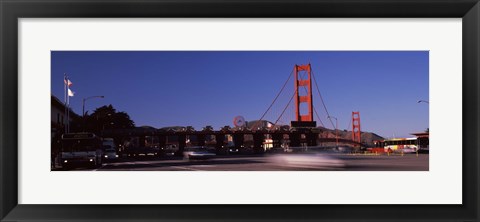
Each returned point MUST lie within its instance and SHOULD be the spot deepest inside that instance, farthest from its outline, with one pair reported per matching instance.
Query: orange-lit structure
(306, 83)
(356, 133)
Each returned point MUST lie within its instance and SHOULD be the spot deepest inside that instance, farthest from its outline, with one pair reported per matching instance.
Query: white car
(197, 153)
(308, 161)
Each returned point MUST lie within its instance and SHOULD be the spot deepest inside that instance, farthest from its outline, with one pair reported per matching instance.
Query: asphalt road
(277, 162)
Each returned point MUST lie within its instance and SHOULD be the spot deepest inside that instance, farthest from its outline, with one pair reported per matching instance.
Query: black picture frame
(11, 11)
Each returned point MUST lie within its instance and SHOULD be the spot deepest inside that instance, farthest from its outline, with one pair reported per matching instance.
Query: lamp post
(418, 141)
(83, 107)
(336, 129)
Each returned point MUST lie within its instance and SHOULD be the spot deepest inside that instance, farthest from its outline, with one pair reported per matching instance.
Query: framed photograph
(226, 110)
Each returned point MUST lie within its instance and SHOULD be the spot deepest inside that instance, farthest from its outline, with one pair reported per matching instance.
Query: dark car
(233, 150)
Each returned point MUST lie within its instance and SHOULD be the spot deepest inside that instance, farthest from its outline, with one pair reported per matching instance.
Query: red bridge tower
(356, 134)
(305, 83)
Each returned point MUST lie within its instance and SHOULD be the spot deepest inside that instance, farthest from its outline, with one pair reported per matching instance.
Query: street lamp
(336, 129)
(420, 101)
(85, 99)
(83, 107)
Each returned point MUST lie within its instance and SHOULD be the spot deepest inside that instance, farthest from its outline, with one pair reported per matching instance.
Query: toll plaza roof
(421, 135)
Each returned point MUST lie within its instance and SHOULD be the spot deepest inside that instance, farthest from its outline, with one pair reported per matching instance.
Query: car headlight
(116, 155)
(106, 156)
(91, 160)
(65, 161)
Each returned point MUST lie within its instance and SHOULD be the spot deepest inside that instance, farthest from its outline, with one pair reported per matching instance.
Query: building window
(58, 118)
(62, 120)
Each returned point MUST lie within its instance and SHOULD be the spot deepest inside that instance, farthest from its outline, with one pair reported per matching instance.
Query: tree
(107, 117)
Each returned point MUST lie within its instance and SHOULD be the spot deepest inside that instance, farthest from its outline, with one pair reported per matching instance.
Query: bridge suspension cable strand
(276, 97)
(321, 99)
(318, 117)
(288, 104)
(349, 123)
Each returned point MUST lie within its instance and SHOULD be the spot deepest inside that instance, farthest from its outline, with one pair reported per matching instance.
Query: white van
(109, 149)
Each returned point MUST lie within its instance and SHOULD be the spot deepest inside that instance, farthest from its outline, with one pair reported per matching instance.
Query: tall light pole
(336, 129)
(418, 141)
(83, 107)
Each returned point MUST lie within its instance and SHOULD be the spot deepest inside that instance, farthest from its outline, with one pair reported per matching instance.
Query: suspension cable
(276, 97)
(315, 110)
(321, 99)
(349, 124)
(288, 104)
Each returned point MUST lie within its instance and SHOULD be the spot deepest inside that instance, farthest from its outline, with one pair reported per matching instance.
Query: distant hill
(366, 137)
(259, 123)
(146, 127)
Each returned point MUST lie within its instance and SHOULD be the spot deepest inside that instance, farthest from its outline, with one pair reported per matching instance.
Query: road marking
(204, 166)
(103, 165)
(185, 168)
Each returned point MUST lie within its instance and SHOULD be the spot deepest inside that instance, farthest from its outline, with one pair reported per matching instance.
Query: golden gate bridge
(302, 132)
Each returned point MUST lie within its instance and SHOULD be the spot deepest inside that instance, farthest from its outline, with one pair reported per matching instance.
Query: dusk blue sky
(199, 88)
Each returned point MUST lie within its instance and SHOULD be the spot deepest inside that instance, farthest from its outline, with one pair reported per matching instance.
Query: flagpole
(68, 108)
(68, 111)
(65, 102)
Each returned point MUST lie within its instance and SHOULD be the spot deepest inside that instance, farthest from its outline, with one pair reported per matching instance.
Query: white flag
(70, 93)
